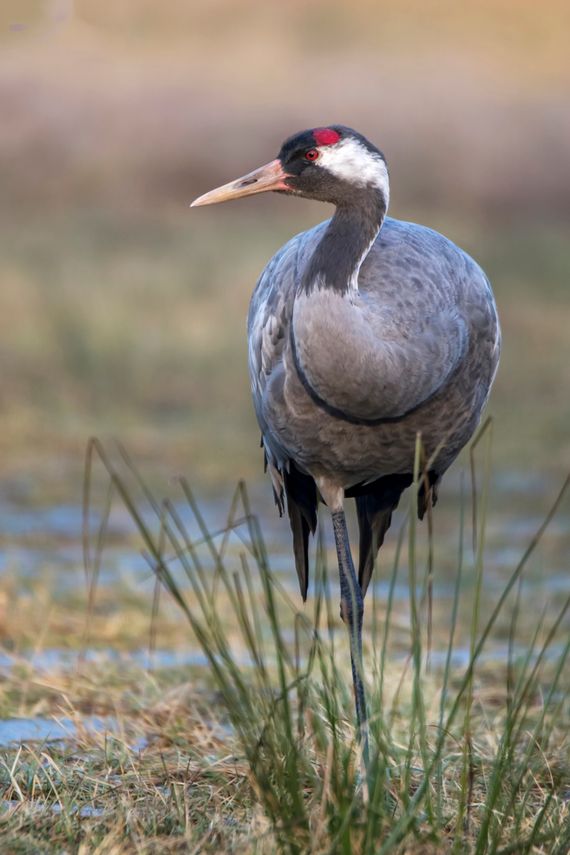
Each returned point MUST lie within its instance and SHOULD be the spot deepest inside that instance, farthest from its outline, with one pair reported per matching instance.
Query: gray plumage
(415, 349)
(363, 333)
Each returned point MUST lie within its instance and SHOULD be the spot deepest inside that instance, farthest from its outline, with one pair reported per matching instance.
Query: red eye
(312, 154)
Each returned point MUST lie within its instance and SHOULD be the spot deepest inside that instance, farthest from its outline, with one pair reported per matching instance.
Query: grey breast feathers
(380, 353)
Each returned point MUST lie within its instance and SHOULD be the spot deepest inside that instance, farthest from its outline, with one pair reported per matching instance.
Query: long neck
(345, 244)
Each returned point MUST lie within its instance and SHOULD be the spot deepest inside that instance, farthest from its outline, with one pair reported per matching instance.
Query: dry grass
(256, 752)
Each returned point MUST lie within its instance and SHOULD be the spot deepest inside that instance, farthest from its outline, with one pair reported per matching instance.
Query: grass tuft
(457, 765)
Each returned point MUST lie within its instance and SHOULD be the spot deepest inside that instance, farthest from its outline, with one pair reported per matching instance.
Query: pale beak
(269, 177)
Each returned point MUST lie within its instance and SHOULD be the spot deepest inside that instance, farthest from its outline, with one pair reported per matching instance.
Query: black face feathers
(298, 144)
(328, 177)
(295, 147)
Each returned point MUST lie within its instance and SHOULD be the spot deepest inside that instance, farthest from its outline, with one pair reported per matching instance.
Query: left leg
(351, 605)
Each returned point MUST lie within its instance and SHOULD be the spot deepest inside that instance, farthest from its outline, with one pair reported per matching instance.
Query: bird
(364, 333)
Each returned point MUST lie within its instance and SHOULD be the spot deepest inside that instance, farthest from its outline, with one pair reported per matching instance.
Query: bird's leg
(351, 603)
(352, 610)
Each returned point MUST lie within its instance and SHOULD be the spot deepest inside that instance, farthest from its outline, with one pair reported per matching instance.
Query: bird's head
(333, 164)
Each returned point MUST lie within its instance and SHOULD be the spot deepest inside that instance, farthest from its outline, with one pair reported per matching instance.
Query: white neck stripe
(352, 162)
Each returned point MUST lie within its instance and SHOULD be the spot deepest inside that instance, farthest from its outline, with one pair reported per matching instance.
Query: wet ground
(43, 544)
(52, 729)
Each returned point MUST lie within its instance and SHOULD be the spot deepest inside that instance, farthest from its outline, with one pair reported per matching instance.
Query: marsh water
(41, 544)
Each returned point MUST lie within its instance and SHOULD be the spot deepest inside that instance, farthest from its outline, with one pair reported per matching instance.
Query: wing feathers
(375, 503)
(301, 495)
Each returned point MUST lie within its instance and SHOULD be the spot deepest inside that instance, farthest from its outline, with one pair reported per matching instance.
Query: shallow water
(15, 731)
(56, 659)
(44, 729)
(45, 543)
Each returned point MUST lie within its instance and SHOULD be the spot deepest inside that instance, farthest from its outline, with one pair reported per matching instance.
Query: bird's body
(364, 332)
(342, 383)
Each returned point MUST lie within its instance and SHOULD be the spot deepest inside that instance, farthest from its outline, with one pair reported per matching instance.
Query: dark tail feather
(301, 495)
(375, 503)
(373, 523)
(427, 494)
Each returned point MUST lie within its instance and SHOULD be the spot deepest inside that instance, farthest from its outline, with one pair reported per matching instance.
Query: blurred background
(122, 312)
(123, 316)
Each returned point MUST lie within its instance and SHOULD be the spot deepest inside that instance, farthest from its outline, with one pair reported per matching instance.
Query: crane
(364, 332)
